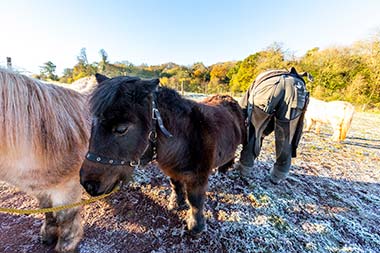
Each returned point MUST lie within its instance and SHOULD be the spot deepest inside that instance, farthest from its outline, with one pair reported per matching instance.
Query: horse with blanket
(276, 101)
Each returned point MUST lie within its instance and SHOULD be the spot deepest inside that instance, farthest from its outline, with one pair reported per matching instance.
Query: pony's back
(317, 111)
(40, 119)
(338, 114)
(84, 85)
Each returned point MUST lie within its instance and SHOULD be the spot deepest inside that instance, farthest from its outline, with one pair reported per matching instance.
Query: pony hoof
(175, 206)
(277, 177)
(177, 203)
(273, 182)
(195, 228)
(67, 249)
(223, 170)
(49, 240)
(196, 231)
(48, 236)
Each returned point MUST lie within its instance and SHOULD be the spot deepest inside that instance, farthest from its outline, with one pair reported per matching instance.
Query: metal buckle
(154, 110)
(134, 164)
(152, 136)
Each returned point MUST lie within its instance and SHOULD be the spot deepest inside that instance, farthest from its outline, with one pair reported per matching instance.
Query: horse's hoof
(245, 171)
(175, 206)
(49, 236)
(223, 169)
(273, 182)
(195, 228)
(177, 203)
(63, 249)
(277, 177)
(196, 231)
(49, 240)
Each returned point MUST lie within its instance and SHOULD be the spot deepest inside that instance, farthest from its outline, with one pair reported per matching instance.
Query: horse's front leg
(195, 190)
(177, 198)
(49, 229)
(68, 220)
(70, 228)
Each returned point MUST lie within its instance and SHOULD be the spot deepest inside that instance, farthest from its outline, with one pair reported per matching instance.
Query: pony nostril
(92, 187)
(89, 187)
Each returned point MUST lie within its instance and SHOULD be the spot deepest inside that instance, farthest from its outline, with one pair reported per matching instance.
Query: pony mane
(174, 102)
(45, 118)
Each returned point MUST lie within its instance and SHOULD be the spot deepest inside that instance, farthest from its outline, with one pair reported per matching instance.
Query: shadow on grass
(362, 142)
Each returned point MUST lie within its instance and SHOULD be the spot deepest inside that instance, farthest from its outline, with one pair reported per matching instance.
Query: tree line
(349, 73)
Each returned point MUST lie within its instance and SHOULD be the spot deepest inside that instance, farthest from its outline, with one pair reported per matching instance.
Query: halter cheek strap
(156, 117)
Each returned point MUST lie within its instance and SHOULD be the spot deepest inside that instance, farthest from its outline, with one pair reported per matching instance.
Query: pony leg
(317, 128)
(309, 125)
(49, 230)
(70, 229)
(225, 167)
(177, 197)
(336, 135)
(69, 220)
(337, 128)
(196, 197)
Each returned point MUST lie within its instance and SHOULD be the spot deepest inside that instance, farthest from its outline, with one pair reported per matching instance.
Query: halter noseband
(109, 161)
(152, 137)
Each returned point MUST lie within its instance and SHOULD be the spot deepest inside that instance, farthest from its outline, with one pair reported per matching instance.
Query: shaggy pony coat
(44, 135)
(338, 114)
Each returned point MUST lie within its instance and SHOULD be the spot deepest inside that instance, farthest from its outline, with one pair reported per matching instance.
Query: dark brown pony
(134, 118)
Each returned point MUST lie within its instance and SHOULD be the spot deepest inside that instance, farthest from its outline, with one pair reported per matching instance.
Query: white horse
(44, 133)
(338, 114)
(84, 85)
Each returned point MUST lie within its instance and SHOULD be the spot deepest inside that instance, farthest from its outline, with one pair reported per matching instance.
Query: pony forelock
(105, 95)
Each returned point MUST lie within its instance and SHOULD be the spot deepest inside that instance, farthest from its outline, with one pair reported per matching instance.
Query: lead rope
(57, 208)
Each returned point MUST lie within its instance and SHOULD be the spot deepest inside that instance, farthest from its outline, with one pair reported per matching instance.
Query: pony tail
(348, 115)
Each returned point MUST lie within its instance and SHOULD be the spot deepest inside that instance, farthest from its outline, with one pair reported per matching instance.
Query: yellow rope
(56, 208)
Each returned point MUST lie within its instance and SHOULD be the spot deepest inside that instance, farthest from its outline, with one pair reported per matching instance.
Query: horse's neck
(173, 109)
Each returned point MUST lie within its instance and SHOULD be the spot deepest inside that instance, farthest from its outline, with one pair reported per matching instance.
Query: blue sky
(155, 32)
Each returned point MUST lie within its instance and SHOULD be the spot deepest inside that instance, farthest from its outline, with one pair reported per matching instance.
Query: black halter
(152, 148)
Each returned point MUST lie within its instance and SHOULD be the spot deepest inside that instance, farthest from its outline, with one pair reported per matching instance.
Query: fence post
(9, 63)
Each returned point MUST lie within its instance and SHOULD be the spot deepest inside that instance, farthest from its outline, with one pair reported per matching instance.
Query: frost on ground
(330, 203)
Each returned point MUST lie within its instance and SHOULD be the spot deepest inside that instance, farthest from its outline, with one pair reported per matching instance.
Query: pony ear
(100, 78)
(151, 85)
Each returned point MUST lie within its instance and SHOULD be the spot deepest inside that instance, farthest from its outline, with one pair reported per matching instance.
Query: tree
(219, 80)
(250, 67)
(200, 76)
(82, 68)
(47, 71)
(103, 62)
(67, 76)
(82, 57)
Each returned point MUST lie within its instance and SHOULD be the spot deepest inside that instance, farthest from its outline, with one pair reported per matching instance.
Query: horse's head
(122, 118)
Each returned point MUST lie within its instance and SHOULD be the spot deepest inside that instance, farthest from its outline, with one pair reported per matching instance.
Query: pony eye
(120, 129)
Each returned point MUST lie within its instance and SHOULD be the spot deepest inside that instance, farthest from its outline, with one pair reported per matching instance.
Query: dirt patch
(329, 203)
